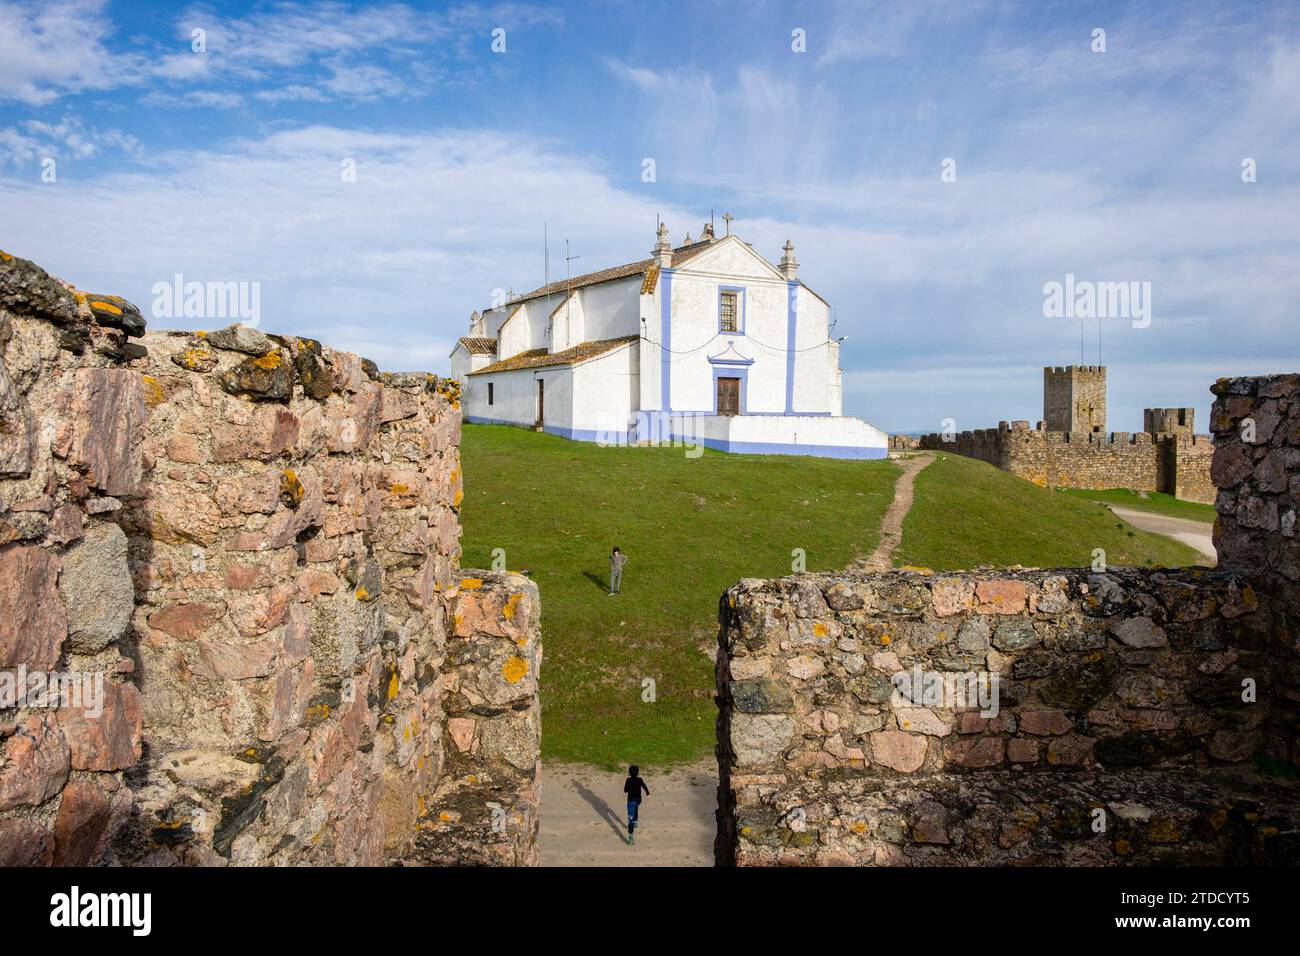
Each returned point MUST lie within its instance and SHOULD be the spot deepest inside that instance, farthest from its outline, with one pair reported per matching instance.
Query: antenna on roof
(567, 259)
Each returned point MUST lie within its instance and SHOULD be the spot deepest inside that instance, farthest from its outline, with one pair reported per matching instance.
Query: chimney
(789, 264)
(663, 250)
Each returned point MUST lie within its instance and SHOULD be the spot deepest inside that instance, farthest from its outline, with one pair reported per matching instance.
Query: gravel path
(584, 817)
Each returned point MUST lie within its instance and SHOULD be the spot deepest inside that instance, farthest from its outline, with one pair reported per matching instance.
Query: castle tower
(1074, 398)
(1169, 421)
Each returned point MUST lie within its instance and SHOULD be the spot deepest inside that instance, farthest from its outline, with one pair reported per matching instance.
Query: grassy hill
(690, 528)
(1154, 501)
(968, 513)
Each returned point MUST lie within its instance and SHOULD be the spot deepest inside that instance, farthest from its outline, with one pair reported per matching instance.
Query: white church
(707, 343)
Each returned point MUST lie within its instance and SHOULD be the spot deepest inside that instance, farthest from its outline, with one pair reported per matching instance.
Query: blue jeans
(633, 811)
(615, 579)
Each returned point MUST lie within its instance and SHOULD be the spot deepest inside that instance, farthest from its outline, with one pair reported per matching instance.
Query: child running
(633, 787)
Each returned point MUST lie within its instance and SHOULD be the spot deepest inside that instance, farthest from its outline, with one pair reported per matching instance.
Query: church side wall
(612, 309)
(604, 392)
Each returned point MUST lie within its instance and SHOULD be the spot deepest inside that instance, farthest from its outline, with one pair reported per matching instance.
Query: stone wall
(1176, 464)
(1256, 423)
(1118, 692)
(253, 541)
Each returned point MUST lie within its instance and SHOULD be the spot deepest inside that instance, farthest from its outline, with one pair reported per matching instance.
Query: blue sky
(1123, 165)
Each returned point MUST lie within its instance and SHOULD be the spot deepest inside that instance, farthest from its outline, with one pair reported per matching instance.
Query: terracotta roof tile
(475, 345)
(541, 358)
(651, 277)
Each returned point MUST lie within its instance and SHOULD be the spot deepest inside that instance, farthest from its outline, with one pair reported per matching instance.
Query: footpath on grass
(1195, 534)
(891, 528)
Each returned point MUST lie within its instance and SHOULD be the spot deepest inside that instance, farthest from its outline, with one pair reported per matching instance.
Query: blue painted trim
(731, 371)
(666, 337)
(740, 308)
(792, 320)
(719, 360)
(860, 452)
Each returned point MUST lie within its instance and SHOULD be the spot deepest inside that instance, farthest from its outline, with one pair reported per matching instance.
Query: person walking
(616, 562)
(633, 787)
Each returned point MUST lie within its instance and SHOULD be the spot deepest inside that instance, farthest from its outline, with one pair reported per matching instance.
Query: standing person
(633, 786)
(616, 562)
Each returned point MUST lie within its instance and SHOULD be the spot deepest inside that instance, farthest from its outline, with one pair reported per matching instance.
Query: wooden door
(728, 396)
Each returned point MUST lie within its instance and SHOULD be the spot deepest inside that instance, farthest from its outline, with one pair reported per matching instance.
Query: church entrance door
(728, 396)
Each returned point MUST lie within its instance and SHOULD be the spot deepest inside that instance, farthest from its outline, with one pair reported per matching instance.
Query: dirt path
(891, 528)
(1197, 534)
(584, 817)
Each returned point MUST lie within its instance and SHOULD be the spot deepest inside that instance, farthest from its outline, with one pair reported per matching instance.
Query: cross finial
(727, 217)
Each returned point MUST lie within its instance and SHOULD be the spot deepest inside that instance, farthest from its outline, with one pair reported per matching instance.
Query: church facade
(707, 342)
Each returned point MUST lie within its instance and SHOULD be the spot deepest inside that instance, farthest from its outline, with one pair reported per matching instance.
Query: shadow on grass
(597, 580)
(603, 809)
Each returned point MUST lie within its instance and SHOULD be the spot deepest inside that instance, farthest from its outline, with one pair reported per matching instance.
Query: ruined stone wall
(1171, 463)
(254, 540)
(1256, 423)
(1118, 696)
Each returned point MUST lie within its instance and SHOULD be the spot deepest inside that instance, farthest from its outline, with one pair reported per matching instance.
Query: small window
(729, 323)
(489, 393)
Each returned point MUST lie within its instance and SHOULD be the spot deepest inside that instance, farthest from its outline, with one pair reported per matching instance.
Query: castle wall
(252, 541)
(1139, 461)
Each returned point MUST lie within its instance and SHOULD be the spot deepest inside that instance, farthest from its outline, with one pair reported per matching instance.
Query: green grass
(1155, 501)
(690, 528)
(967, 513)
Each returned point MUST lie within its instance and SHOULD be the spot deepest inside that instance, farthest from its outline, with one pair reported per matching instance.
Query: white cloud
(67, 138)
(48, 47)
(389, 266)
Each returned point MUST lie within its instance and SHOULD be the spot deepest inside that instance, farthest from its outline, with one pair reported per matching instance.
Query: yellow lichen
(106, 306)
(153, 393)
(819, 629)
(393, 686)
(362, 593)
(398, 488)
(471, 584)
(508, 612)
(514, 669)
(269, 360)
